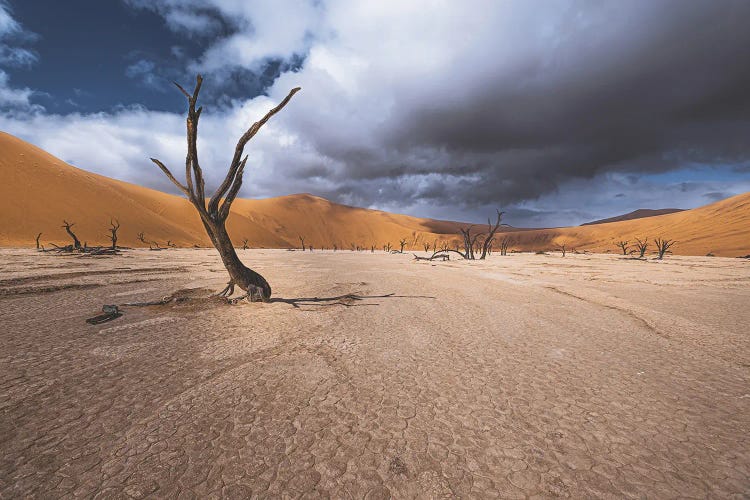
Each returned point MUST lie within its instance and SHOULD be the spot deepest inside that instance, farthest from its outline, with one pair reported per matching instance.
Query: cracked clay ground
(522, 376)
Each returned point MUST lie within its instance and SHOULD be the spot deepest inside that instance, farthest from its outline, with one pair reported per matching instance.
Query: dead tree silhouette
(642, 246)
(504, 244)
(76, 242)
(561, 247)
(403, 244)
(38, 246)
(244, 243)
(115, 225)
(426, 246)
(663, 245)
(491, 230)
(214, 215)
(302, 242)
(387, 247)
(142, 237)
(624, 246)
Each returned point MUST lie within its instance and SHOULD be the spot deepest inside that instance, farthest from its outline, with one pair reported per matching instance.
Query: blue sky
(556, 112)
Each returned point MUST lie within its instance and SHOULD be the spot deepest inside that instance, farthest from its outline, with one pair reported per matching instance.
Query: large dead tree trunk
(76, 242)
(214, 214)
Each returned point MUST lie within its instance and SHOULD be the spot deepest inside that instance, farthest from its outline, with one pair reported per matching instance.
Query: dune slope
(39, 191)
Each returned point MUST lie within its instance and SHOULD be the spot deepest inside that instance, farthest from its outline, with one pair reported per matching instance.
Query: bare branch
(172, 178)
(239, 149)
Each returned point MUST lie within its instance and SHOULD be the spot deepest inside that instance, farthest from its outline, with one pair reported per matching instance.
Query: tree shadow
(346, 300)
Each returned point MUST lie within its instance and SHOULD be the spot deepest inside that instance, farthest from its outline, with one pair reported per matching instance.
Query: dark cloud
(670, 87)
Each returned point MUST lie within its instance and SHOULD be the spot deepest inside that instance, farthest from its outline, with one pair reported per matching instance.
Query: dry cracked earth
(589, 376)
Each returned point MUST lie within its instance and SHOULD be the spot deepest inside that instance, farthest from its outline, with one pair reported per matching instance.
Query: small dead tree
(387, 247)
(504, 244)
(624, 246)
(214, 215)
(491, 230)
(642, 246)
(142, 237)
(372, 249)
(426, 246)
(115, 225)
(662, 246)
(244, 243)
(76, 242)
(561, 247)
(403, 244)
(302, 242)
(38, 246)
(335, 247)
(469, 242)
(170, 244)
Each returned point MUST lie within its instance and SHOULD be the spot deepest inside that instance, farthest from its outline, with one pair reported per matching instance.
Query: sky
(557, 112)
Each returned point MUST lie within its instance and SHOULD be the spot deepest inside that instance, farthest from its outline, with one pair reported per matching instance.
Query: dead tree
(491, 230)
(387, 247)
(663, 245)
(403, 244)
(504, 245)
(469, 242)
(372, 249)
(562, 248)
(624, 246)
(170, 244)
(335, 247)
(311, 248)
(302, 242)
(142, 237)
(426, 246)
(244, 243)
(214, 215)
(38, 246)
(115, 225)
(76, 242)
(642, 246)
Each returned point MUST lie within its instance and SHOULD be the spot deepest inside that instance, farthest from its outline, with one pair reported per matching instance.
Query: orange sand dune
(39, 191)
(721, 228)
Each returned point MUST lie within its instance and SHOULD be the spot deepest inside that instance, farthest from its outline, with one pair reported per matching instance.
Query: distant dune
(39, 190)
(636, 214)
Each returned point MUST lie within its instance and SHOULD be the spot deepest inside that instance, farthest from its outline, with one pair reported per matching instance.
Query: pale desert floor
(521, 376)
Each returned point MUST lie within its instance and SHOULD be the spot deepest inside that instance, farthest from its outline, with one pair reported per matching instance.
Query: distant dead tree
(469, 242)
(403, 244)
(491, 230)
(372, 249)
(170, 244)
(142, 237)
(335, 247)
(302, 242)
(426, 246)
(624, 246)
(76, 242)
(387, 247)
(115, 225)
(38, 246)
(663, 245)
(642, 246)
(214, 215)
(311, 248)
(561, 247)
(244, 243)
(504, 244)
